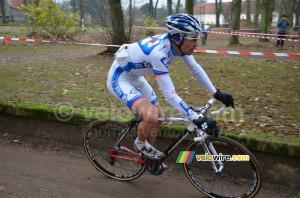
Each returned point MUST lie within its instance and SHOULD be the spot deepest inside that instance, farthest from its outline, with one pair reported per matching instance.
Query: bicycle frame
(207, 146)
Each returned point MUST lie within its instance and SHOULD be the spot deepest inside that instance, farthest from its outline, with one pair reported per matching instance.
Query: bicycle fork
(210, 150)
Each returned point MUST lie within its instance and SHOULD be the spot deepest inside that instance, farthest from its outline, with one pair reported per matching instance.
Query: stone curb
(290, 149)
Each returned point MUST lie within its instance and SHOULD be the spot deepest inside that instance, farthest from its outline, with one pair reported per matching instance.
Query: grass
(266, 91)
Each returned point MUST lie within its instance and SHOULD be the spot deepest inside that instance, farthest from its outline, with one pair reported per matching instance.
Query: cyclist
(155, 54)
(205, 31)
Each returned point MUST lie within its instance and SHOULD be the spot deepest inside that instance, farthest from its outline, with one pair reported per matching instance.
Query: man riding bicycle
(154, 55)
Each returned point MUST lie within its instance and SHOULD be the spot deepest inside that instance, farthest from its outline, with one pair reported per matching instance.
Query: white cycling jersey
(151, 55)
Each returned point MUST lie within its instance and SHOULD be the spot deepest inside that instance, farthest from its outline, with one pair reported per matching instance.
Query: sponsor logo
(118, 90)
(133, 91)
(153, 93)
(124, 98)
(165, 61)
(186, 108)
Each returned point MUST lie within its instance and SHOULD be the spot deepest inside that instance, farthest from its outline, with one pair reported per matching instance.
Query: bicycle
(109, 147)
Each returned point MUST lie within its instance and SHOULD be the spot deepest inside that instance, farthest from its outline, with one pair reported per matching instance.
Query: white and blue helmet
(183, 25)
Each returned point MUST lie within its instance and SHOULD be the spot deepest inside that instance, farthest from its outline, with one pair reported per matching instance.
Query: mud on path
(47, 167)
(36, 172)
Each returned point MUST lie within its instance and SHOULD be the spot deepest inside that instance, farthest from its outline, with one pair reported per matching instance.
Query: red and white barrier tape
(226, 33)
(251, 33)
(60, 42)
(198, 50)
(254, 36)
(247, 53)
(154, 28)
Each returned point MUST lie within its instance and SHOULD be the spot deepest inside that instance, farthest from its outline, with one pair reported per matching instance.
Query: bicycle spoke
(237, 178)
(100, 139)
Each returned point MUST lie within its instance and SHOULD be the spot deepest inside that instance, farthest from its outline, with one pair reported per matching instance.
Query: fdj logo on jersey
(148, 44)
(133, 91)
(165, 61)
(186, 108)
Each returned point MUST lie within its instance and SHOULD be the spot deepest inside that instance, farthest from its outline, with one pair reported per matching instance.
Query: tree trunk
(218, 5)
(117, 21)
(236, 12)
(290, 9)
(264, 18)
(151, 8)
(257, 11)
(155, 9)
(189, 6)
(280, 8)
(81, 12)
(178, 6)
(297, 14)
(74, 6)
(130, 20)
(271, 8)
(3, 11)
(217, 13)
(169, 5)
(248, 13)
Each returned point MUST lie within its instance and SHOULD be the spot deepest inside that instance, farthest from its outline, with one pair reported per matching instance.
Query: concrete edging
(290, 149)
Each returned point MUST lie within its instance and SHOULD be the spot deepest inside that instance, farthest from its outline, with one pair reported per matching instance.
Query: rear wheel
(99, 139)
(237, 179)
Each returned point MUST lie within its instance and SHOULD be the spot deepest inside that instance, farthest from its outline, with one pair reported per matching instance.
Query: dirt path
(46, 171)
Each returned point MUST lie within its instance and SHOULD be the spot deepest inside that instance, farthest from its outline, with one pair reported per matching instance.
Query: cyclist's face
(190, 44)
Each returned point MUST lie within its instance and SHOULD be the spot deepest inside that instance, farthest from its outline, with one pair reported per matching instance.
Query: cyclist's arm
(199, 73)
(168, 90)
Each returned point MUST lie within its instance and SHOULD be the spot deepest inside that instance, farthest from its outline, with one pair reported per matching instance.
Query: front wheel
(100, 145)
(237, 178)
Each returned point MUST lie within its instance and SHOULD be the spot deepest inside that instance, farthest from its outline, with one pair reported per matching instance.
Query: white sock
(148, 145)
(139, 143)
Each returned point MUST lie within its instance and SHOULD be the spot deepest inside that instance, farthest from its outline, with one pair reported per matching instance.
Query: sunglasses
(193, 38)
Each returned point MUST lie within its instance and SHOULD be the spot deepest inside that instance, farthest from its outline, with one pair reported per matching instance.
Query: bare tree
(218, 5)
(155, 9)
(236, 14)
(271, 8)
(264, 25)
(151, 8)
(81, 12)
(74, 5)
(267, 8)
(248, 13)
(3, 11)
(130, 22)
(189, 5)
(117, 22)
(257, 12)
(178, 6)
(169, 5)
(297, 14)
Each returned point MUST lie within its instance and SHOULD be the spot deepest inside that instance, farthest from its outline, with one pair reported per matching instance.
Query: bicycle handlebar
(204, 110)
